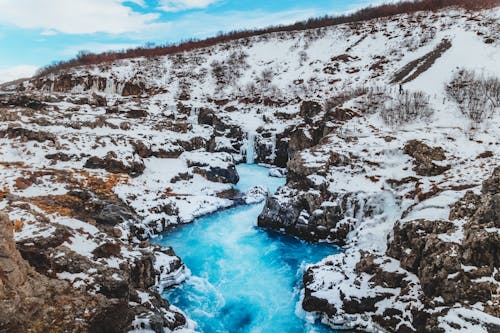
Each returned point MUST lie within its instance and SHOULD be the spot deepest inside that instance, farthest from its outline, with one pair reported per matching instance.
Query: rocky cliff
(34, 299)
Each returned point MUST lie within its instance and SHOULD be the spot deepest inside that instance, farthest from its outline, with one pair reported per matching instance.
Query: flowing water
(244, 279)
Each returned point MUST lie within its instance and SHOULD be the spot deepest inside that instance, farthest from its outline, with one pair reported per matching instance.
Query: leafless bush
(178, 61)
(218, 71)
(476, 95)
(238, 60)
(343, 96)
(227, 72)
(303, 57)
(375, 99)
(267, 76)
(250, 89)
(406, 108)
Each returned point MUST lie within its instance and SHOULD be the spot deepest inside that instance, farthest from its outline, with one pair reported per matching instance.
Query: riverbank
(243, 278)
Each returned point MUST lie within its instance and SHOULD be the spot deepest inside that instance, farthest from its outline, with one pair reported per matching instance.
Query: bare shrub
(406, 108)
(227, 72)
(342, 96)
(218, 71)
(476, 95)
(266, 77)
(178, 61)
(238, 60)
(250, 89)
(375, 99)
(303, 57)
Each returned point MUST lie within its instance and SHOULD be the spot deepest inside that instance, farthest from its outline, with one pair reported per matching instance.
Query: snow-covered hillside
(94, 160)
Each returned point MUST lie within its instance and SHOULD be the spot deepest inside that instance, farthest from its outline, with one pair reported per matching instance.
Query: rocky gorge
(95, 160)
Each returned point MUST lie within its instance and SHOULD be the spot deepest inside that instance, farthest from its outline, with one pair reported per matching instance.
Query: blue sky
(34, 33)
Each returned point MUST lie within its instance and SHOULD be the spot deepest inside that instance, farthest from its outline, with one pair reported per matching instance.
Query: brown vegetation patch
(169, 192)
(18, 225)
(57, 204)
(102, 186)
(3, 193)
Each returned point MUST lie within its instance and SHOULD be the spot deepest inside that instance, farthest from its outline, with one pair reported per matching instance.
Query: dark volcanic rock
(132, 89)
(206, 117)
(18, 298)
(308, 110)
(27, 134)
(428, 249)
(134, 168)
(135, 114)
(384, 285)
(23, 101)
(112, 213)
(302, 214)
(59, 157)
(111, 316)
(37, 302)
(107, 250)
(216, 174)
(305, 217)
(424, 157)
(492, 184)
(314, 304)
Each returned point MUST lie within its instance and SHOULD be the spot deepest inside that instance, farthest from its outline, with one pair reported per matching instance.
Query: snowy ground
(172, 123)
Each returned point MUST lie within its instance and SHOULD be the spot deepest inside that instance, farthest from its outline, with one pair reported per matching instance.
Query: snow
(256, 194)
(457, 236)
(365, 181)
(77, 279)
(81, 244)
(76, 224)
(467, 51)
(468, 320)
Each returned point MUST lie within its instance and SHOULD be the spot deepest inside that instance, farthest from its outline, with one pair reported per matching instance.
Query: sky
(34, 33)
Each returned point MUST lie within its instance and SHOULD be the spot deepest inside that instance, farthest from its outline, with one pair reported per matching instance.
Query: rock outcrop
(111, 164)
(79, 277)
(424, 156)
(19, 297)
(432, 272)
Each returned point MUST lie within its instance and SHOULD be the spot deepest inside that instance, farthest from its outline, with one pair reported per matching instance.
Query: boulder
(134, 168)
(217, 174)
(424, 156)
(27, 135)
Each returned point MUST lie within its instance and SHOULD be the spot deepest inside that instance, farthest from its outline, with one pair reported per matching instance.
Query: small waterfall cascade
(250, 148)
(193, 115)
(273, 147)
(172, 110)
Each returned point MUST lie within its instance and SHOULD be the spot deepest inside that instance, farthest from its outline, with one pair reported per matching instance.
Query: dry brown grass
(18, 225)
(57, 204)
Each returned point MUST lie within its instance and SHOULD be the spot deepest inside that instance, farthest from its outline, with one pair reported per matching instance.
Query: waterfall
(193, 115)
(250, 148)
(172, 109)
(272, 157)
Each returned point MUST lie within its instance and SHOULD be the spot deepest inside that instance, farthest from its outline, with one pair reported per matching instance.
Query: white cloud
(13, 73)
(137, 2)
(74, 16)
(179, 5)
(48, 33)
